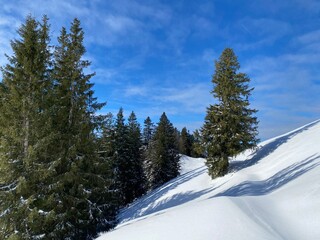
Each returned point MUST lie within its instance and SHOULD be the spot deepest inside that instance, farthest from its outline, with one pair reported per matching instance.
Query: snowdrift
(272, 192)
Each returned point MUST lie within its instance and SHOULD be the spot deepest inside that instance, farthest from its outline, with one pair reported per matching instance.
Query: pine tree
(127, 159)
(138, 180)
(106, 146)
(107, 139)
(84, 203)
(177, 138)
(53, 183)
(25, 152)
(121, 160)
(230, 126)
(185, 144)
(197, 148)
(163, 158)
(148, 132)
(147, 135)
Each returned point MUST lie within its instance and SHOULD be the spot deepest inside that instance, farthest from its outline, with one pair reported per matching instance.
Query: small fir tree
(230, 126)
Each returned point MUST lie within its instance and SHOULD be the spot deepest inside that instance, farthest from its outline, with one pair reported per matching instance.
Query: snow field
(272, 192)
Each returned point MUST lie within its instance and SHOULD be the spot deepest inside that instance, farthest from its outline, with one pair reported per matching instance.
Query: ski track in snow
(272, 192)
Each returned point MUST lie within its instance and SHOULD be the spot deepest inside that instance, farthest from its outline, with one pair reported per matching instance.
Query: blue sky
(158, 56)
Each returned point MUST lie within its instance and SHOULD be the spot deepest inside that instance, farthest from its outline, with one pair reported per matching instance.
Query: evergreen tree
(185, 143)
(25, 152)
(177, 138)
(148, 132)
(81, 187)
(127, 159)
(196, 148)
(53, 183)
(135, 151)
(147, 135)
(121, 160)
(107, 139)
(163, 158)
(230, 126)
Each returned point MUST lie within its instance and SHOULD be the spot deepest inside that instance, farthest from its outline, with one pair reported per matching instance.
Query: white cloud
(193, 98)
(135, 91)
(285, 90)
(310, 37)
(119, 24)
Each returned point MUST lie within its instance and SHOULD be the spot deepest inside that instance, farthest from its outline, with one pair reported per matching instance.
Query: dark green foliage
(53, 182)
(148, 132)
(230, 126)
(84, 202)
(185, 143)
(127, 160)
(107, 139)
(162, 162)
(138, 179)
(121, 161)
(196, 148)
(25, 133)
(177, 137)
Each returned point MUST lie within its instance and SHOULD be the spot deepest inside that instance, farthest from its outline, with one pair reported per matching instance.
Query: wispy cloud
(310, 37)
(259, 32)
(191, 98)
(155, 56)
(285, 90)
(135, 91)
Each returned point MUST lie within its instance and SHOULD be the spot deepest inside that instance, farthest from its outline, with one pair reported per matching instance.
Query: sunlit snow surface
(270, 193)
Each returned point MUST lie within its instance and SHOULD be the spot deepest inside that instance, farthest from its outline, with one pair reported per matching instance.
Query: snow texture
(272, 192)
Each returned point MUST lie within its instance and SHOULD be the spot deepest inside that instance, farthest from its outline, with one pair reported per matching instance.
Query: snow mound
(272, 192)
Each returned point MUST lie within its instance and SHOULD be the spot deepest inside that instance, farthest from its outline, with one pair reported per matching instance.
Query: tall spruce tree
(53, 184)
(127, 159)
(120, 157)
(121, 160)
(107, 139)
(147, 135)
(148, 132)
(135, 151)
(162, 158)
(25, 122)
(84, 202)
(230, 126)
(185, 143)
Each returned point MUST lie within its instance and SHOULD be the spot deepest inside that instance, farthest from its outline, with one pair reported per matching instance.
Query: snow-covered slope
(270, 193)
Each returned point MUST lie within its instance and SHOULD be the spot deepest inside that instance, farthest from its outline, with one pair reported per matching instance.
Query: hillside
(270, 193)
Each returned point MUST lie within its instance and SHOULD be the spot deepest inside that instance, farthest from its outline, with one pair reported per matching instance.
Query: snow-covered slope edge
(270, 193)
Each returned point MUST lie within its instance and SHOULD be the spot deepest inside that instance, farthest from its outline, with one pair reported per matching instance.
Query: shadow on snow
(147, 205)
(136, 209)
(267, 149)
(256, 188)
